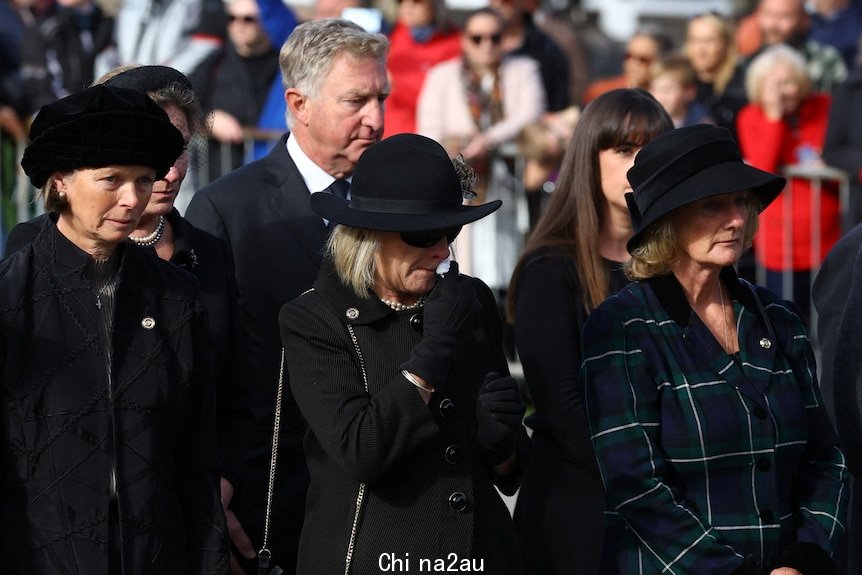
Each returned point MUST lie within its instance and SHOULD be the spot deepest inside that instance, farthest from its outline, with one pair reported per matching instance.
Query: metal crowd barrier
(817, 175)
(252, 139)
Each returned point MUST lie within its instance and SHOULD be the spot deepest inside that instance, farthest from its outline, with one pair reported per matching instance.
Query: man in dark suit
(837, 295)
(335, 78)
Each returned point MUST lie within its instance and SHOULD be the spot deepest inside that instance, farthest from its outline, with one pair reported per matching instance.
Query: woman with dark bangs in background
(572, 262)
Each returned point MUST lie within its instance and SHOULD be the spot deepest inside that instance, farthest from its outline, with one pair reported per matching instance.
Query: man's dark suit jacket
(262, 211)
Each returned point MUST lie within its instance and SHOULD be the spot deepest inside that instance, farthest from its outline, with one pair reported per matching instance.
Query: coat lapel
(291, 201)
(747, 373)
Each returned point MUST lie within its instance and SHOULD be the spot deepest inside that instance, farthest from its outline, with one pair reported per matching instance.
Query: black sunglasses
(645, 60)
(477, 39)
(246, 19)
(429, 239)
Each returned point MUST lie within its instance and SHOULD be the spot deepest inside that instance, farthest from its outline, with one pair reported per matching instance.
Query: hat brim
(338, 210)
(715, 180)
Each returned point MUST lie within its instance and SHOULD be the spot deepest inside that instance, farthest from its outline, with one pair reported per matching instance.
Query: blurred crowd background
(781, 75)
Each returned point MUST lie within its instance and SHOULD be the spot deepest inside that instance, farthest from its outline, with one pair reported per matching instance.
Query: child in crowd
(672, 82)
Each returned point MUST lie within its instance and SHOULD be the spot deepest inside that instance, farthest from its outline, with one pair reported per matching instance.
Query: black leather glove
(450, 313)
(499, 411)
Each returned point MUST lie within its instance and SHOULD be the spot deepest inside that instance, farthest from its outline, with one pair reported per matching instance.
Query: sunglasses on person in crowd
(477, 39)
(645, 60)
(429, 239)
(244, 19)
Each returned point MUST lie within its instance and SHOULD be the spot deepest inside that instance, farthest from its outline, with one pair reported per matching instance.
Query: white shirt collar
(316, 179)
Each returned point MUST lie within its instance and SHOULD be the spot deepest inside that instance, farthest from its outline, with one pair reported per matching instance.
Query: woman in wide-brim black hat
(400, 374)
(715, 450)
(107, 428)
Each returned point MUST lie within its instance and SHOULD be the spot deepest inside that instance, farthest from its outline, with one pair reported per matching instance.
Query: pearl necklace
(398, 306)
(153, 238)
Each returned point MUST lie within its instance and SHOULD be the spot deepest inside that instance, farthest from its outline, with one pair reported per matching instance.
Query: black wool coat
(416, 473)
(66, 427)
(208, 260)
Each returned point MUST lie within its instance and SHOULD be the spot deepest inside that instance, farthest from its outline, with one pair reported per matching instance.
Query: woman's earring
(61, 196)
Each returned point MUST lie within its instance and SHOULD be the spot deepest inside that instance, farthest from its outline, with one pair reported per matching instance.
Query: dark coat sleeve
(234, 414)
(847, 373)
(493, 323)
(548, 322)
(23, 234)
(829, 293)
(820, 493)
(203, 214)
(197, 462)
(366, 435)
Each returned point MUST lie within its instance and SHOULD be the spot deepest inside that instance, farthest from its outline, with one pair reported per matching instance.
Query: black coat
(57, 409)
(262, 212)
(414, 460)
(209, 261)
(560, 511)
(837, 295)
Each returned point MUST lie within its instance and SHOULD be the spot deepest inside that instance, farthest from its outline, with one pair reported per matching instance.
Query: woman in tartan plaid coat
(714, 447)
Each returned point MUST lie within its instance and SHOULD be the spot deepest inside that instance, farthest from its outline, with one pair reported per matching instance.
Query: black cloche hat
(682, 166)
(100, 126)
(149, 78)
(405, 183)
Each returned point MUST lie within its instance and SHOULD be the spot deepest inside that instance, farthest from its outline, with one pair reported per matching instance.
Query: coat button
(767, 515)
(458, 502)
(765, 343)
(759, 412)
(148, 323)
(446, 407)
(453, 454)
(763, 463)
(416, 321)
(352, 313)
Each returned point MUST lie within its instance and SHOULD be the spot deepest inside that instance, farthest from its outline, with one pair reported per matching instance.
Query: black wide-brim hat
(405, 183)
(100, 126)
(688, 164)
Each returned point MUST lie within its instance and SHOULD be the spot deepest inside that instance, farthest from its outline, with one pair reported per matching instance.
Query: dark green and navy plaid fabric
(707, 458)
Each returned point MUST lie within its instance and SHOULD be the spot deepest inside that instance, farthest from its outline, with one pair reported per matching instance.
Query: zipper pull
(98, 301)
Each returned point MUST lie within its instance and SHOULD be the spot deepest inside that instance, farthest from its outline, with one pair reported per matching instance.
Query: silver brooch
(352, 313)
(765, 343)
(148, 323)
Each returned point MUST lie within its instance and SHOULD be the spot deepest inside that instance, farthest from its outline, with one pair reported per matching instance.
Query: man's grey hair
(311, 50)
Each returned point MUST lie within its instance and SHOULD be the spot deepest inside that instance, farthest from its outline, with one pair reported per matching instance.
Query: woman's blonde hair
(728, 66)
(352, 251)
(658, 252)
